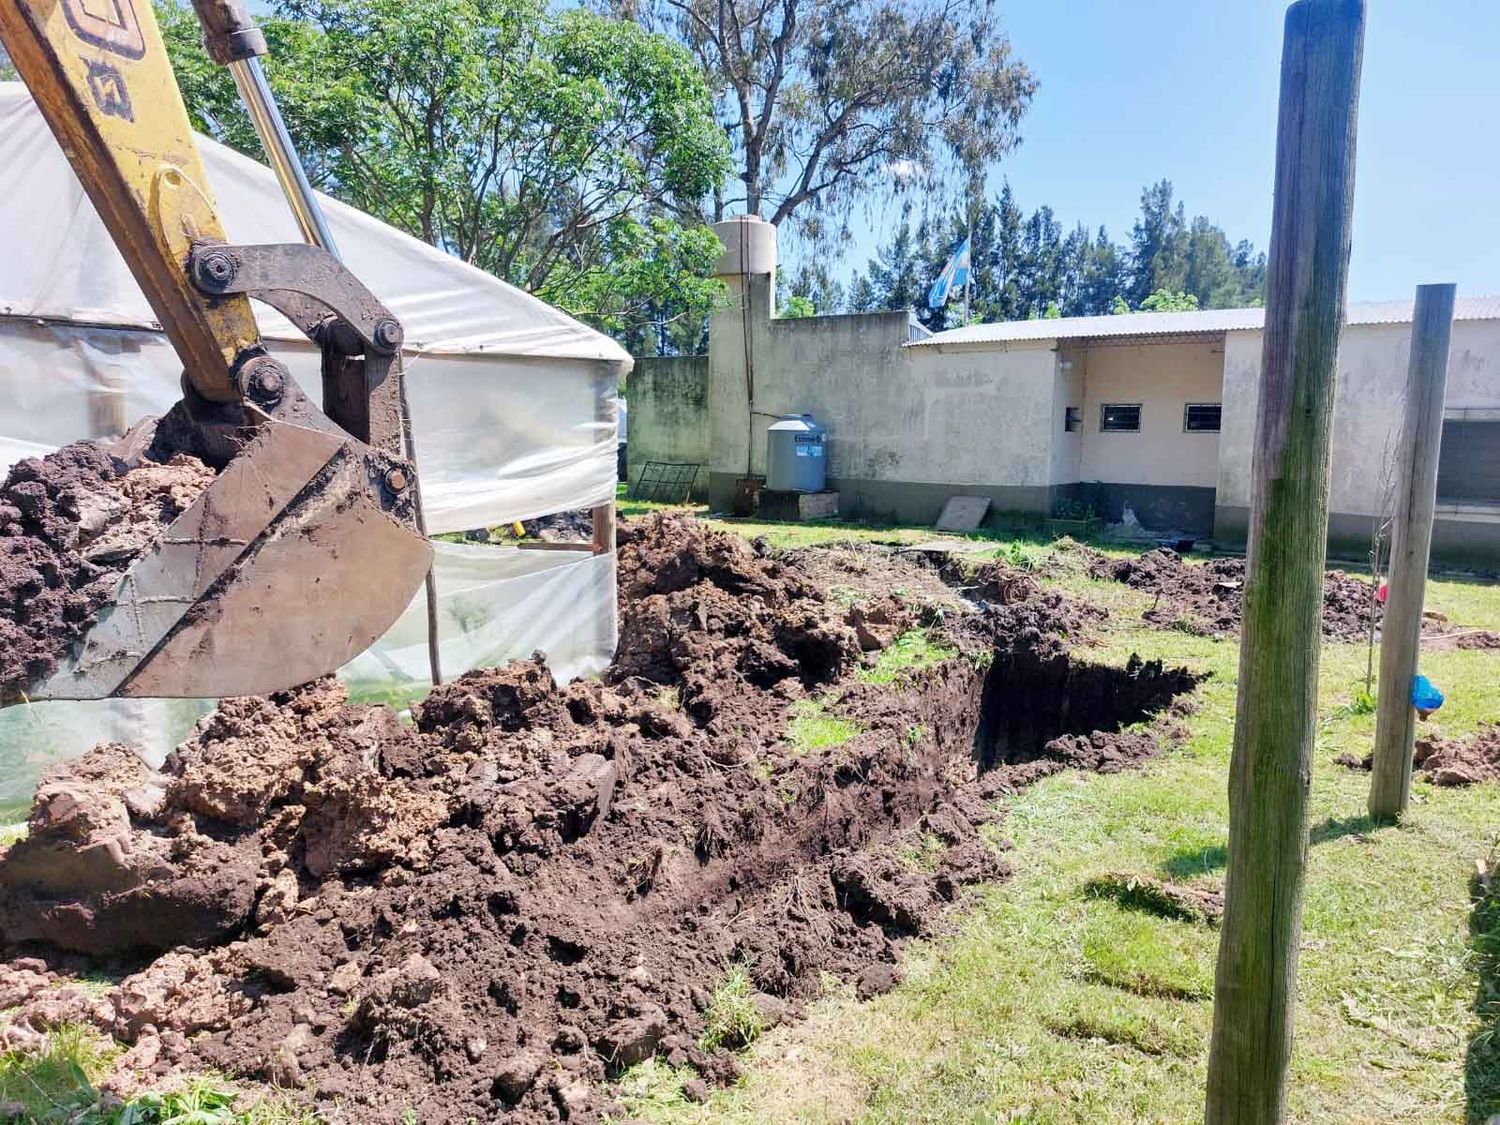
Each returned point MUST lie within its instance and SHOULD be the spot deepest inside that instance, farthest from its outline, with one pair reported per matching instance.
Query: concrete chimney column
(738, 332)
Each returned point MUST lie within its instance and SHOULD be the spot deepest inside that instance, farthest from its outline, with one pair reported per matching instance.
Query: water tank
(794, 455)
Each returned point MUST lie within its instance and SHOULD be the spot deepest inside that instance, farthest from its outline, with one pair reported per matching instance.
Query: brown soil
(1460, 761)
(1439, 637)
(848, 572)
(1450, 762)
(70, 524)
(495, 910)
(1208, 598)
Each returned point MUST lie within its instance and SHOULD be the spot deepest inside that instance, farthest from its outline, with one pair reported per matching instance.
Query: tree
(1159, 244)
(813, 288)
(563, 151)
(1166, 300)
(7, 68)
(1104, 277)
(829, 100)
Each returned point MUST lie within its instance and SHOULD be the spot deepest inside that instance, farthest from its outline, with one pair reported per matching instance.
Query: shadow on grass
(1482, 1063)
(1203, 861)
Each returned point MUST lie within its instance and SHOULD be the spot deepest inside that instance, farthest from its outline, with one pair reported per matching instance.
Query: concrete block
(798, 506)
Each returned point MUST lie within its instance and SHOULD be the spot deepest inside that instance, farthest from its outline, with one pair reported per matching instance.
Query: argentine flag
(955, 275)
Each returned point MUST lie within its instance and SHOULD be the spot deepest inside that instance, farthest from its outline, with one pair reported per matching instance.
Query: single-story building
(1150, 411)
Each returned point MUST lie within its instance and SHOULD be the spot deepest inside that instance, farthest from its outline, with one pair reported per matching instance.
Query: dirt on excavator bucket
(126, 577)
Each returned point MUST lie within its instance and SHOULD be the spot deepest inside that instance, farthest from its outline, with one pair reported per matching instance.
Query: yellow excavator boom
(99, 72)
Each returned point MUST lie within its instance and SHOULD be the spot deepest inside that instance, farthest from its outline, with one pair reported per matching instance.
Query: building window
(1469, 462)
(1120, 418)
(1201, 417)
(1072, 419)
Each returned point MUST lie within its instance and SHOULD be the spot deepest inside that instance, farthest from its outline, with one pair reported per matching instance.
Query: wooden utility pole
(1411, 543)
(1271, 767)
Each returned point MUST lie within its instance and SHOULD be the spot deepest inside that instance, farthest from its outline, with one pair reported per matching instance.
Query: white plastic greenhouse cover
(513, 405)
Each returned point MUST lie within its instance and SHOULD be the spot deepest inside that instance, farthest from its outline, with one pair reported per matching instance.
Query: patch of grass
(1023, 556)
(398, 697)
(1482, 1067)
(912, 650)
(812, 728)
(11, 833)
(56, 1082)
(732, 1019)
(921, 853)
(1362, 701)
(57, 1085)
(1147, 955)
(653, 1085)
(1125, 1026)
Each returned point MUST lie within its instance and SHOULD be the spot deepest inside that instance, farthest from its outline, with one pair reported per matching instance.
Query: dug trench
(492, 912)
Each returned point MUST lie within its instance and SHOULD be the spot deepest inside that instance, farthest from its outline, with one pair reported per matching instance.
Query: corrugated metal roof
(1182, 323)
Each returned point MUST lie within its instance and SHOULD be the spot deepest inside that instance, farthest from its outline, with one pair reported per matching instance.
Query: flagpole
(968, 273)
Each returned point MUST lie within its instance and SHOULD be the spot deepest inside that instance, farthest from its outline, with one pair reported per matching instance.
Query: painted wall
(1368, 406)
(668, 398)
(1162, 377)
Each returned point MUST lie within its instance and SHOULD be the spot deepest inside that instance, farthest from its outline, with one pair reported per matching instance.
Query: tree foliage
(829, 100)
(563, 151)
(1027, 266)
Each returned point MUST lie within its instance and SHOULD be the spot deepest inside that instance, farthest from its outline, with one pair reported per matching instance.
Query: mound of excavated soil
(1460, 761)
(489, 913)
(70, 524)
(1208, 598)
(857, 571)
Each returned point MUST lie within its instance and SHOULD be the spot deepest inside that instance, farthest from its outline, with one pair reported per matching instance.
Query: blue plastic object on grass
(1425, 696)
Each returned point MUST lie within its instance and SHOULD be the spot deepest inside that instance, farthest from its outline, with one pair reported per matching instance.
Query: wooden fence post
(1411, 543)
(1270, 771)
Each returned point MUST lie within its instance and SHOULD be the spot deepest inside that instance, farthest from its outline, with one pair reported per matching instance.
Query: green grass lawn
(1048, 1004)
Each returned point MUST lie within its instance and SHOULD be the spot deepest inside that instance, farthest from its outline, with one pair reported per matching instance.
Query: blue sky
(1134, 90)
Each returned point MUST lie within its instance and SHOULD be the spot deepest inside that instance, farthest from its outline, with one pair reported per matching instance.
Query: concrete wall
(668, 399)
(907, 428)
(1366, 427)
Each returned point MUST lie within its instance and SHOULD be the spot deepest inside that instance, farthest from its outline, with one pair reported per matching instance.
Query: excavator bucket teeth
(291, 563)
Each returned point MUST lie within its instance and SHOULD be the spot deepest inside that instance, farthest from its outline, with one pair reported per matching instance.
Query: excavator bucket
(307, 545)
(294, 560)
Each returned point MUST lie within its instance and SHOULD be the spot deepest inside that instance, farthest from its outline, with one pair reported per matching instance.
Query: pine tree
(1159, 244)
(1104, 278)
